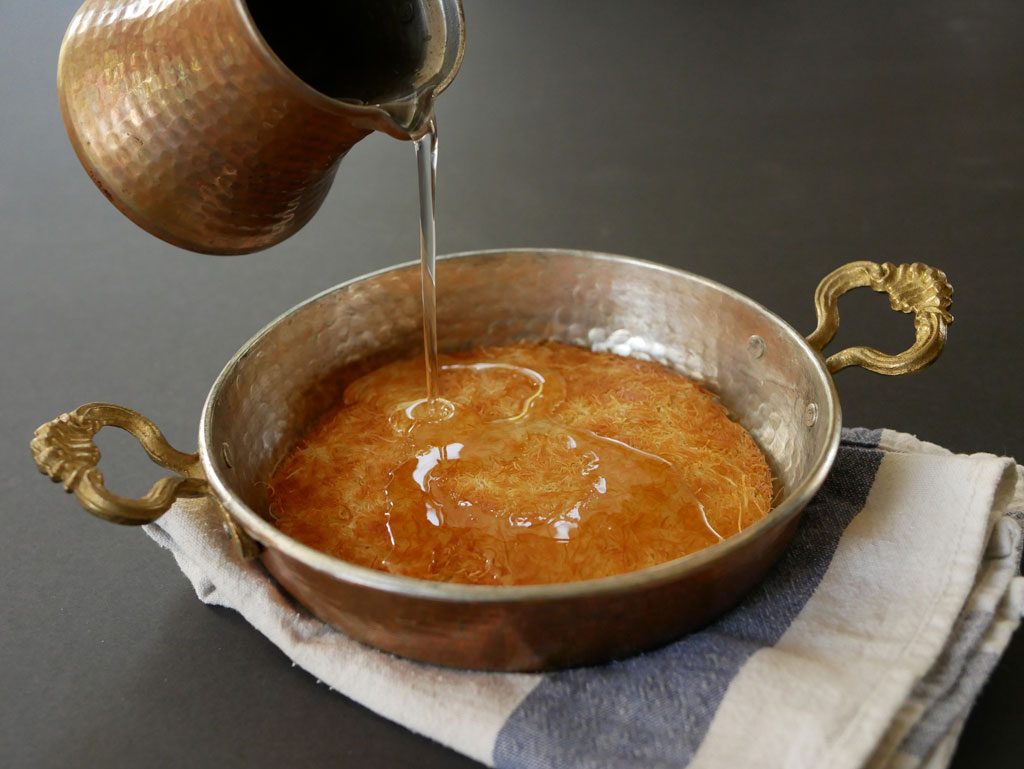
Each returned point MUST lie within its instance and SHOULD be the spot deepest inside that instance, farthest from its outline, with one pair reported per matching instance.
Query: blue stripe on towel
(653, 710)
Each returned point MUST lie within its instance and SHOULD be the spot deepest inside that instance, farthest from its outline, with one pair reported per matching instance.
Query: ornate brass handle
(915, 288)
(64, 450)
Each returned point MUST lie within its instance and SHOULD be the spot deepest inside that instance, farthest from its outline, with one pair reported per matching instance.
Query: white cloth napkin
(865, 647)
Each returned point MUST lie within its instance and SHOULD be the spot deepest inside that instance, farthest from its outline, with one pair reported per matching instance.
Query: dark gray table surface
(759, 144)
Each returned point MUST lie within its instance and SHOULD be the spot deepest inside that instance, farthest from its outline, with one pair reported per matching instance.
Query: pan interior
(768, 379)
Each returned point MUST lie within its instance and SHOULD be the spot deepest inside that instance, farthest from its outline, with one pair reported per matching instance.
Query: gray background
(759, 144)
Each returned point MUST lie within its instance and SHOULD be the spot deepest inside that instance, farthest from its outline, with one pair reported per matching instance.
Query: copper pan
(772, 379)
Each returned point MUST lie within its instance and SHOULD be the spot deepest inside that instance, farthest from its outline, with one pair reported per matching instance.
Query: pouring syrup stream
(426, 164)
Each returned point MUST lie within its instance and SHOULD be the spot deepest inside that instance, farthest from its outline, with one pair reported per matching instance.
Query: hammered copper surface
(193, 128)
(267, 396)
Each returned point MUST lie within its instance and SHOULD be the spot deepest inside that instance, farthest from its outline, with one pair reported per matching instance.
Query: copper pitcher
(218, 125)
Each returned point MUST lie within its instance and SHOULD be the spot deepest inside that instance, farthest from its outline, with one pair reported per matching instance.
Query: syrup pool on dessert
(546, 463)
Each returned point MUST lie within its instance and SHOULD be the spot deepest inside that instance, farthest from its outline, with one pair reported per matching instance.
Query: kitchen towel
(865, 646)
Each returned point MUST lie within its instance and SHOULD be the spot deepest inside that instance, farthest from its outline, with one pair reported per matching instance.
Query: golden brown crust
(508, 510)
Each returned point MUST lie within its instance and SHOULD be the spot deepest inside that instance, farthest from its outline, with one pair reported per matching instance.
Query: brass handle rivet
(756, 347)
(811, 414)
